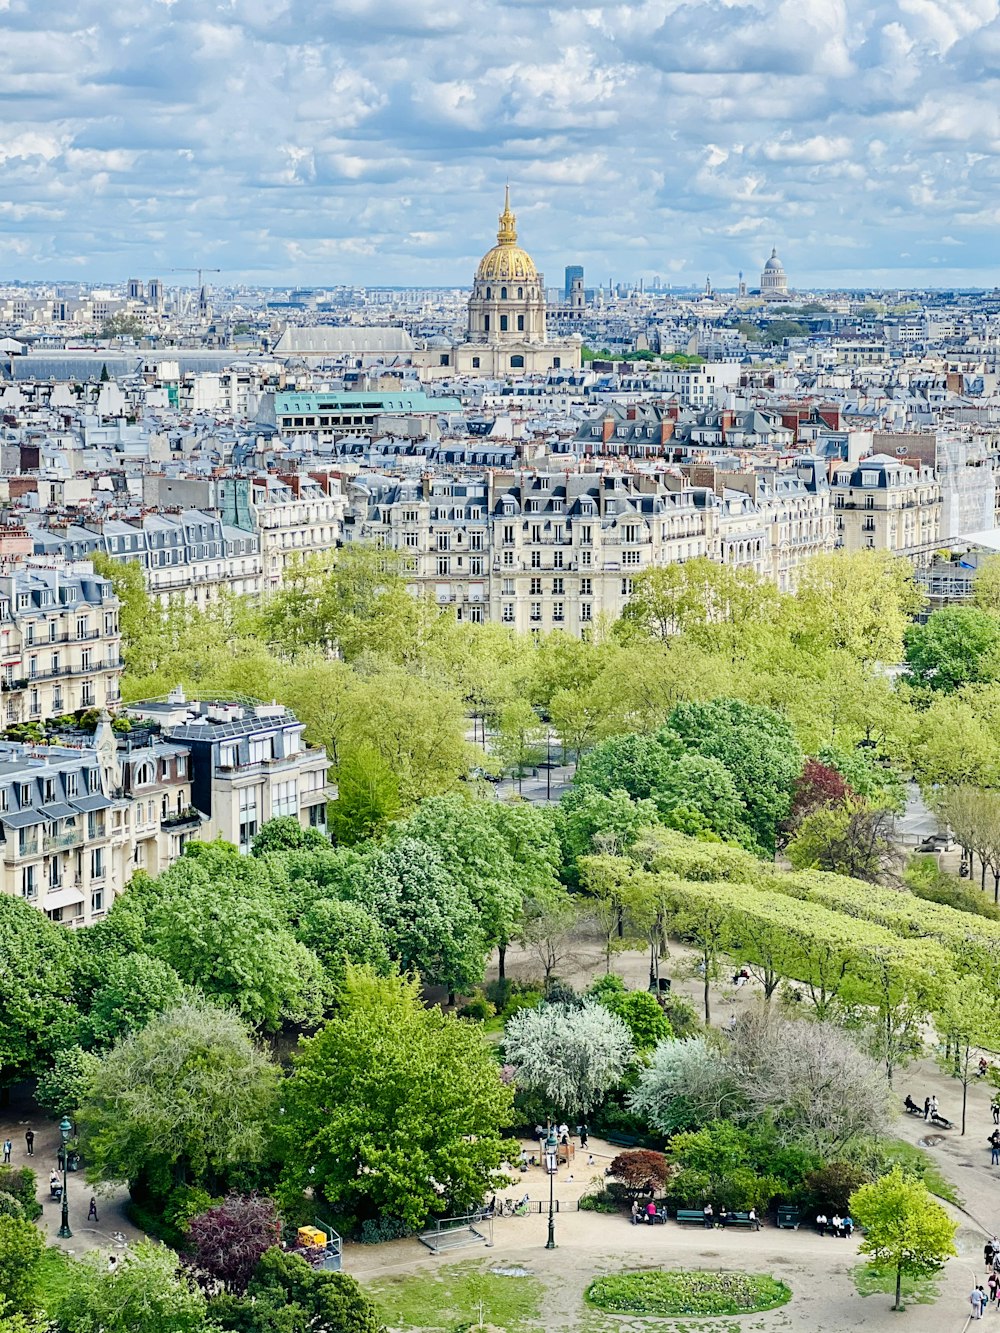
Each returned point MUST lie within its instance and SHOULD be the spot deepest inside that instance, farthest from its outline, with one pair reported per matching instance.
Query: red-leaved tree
(818, 784)
(641, 1170)
(225, 1242)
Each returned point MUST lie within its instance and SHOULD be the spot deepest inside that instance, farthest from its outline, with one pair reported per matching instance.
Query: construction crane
(199, 271)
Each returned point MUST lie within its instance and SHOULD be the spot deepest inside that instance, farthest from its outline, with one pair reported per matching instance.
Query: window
(520, 323)
(93, 780)
(536, 560)
(626, 587)
(633, 532)
(33, 705)
(444, 564)
(557, 611)
(503, 293)
(182, 765)
(536, 611)
(585, 611)
(81, 627)
(86, 658)
(631, 557)
(411, 540)
(536, 532)
(475, 541)
(32, 667)
(24, 795)
(508, 559)
(486, 324)
(286, 798)
(70, 784)
(248, 817)
(507, 613)
(586, 534)
(227, 756)
(517, 362)
(261, 749)
(55, 879)
(57, 699)
(97, 866)
(536, 588)
(87, 694)
(475, 564)
(49, 790)
(557, 559)
(508, 534)
(97, 901)
(443, 541)
(145, 774)
(586, 588)
(475, 363)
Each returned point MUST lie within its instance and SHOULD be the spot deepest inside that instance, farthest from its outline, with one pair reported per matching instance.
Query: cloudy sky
(327, 141)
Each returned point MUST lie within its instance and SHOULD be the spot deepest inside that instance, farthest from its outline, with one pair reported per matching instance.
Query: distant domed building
(506, 328)
(774, 279)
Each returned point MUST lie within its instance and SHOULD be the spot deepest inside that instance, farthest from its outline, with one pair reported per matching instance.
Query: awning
(93, 802)
(22, 818)
(70, 897)
(58, 810)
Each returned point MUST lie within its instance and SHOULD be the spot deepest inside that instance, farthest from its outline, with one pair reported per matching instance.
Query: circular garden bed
(686, 1293)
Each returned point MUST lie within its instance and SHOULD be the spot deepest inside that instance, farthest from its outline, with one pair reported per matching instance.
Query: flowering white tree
(686, 1084)
(570, 1056)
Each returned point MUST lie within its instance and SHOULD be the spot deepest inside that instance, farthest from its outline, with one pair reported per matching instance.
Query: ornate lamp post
(551, 1166)
(65, 1130)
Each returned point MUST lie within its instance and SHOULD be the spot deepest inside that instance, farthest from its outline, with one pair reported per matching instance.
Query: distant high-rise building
(572, 271)
(136, 292)
(156, 293)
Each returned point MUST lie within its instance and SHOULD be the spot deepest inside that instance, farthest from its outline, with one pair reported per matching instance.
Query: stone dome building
(773, 279)
(507, 304)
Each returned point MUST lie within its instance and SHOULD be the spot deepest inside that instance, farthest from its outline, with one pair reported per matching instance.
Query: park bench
(657, 1219)
(742, 1220)
(690, 1216)
(788, 1218)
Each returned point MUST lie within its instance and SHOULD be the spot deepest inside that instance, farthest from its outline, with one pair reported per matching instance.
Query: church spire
(507, 233)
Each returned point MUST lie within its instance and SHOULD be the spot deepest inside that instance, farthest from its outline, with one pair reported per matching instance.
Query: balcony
(190, 816)
(61, 842)
(20, 850)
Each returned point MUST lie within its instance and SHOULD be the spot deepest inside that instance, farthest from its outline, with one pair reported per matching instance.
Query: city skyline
(288, 144)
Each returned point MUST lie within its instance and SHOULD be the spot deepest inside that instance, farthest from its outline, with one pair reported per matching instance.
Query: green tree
(21, 1247)
(517, 741)
(394, 1110)
(965, 1024)
(427, 916)
(142, 629)
(60, 1088)
(320, 1302)
(957, 645)
(286, 834)
(589, 821)
(367, 796)
(863, 602)
(122, 325)
(640, 1011)
(550, 915)
(185, 1100)
(339, 933)
(37, 968)
(147, 1294)
(986, 585)
(758, 748)
(131, 989)
(569, 1056)
(904, 1228)
(851, 838)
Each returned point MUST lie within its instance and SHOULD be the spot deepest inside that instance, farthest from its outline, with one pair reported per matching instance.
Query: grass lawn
(914, 1159)
(871, 1280)
(53, 1277)
(451, 1296)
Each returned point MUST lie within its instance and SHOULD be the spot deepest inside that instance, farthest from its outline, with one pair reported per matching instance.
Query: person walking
(976, 1301)
(92, 1215)
(990, 1251)
(994, 1142)
(29, 1139)
(8, 1148)
(995, 1108)
(993, 1285)
(927, 1107)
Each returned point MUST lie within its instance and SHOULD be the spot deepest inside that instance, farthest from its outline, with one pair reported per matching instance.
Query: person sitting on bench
(911, 1106)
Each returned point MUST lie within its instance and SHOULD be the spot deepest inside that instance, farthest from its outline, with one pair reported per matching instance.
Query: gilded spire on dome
(507, 234)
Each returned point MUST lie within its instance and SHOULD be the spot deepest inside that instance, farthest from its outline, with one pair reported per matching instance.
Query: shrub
(20, 1181)
(10, 1207)
(603, 1201)
(184, 1203)
(664, 1293)
(529, 999)
(830, 1188)
(478, 1009)
(377, 1230)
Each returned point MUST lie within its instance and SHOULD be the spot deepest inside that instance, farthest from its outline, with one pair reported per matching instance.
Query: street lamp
(551, 1166)
(65, 1130)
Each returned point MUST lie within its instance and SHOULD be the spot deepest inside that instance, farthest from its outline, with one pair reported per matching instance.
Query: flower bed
(686, 1293)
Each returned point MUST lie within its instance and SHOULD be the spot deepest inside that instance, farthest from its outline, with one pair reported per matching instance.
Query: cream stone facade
(883, 504)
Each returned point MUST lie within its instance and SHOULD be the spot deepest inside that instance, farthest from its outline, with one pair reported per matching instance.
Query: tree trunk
(502, 961)
(708, 1017)
(899, 1285)
(965, 1096)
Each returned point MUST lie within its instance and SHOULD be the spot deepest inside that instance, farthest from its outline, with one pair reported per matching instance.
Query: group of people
(840, 1226)
(650, 1214)
(980, 1296)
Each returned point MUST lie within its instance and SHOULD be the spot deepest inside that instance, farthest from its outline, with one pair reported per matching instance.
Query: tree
(21, 1247)
(367, 796)
(517, 741)
(185, 1100)
(139, 618)
(641, 1171)
(429, 922)
(36, 986)
(904, 1228)
(215, 918)
(851, 838)
(286, 834)
(145, 1294)
(863, 602)
(640, 1011)
(60, 1088)
(550, 916)
(122, 325)
(589, 820)
(817, 785)
(685, 1084)
(569, 1056)
(964, 1021)
(394, 1110)
(226, 1242)
(758, 748)
(957, 645)
(132, 988)
(986, 585)
(339, 933)
(312, 1302)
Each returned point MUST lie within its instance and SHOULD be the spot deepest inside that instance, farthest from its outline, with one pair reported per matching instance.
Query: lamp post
(551, 1166)
(65, 1130)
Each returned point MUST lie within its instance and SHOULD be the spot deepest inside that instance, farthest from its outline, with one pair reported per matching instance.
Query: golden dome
(506, 261)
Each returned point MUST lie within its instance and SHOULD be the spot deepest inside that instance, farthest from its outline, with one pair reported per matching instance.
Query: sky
(319, 142)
